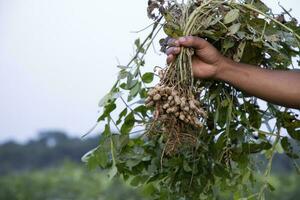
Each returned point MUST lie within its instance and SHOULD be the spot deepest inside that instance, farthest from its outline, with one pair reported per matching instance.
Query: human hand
(206, 60)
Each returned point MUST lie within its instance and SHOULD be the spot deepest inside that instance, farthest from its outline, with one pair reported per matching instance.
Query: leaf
(291, 124)
(271, 187)
(138, 180)
(173, 30)
(105, 99)
(111, 96)
(135, 90)
(295, 134)
(256, 148)
(231, 16)
(107, 110)
(135, 181)
(221, 171)
(141, 109)
(240, 52)
(149, 189)
(128, 124)
(102, 158)
(259, 5)
(234, 28)
(288, 148)
(186, 166)
(122, 114)
(122, 74)
(131, 82)
(206, 22)
(122, 67)
(132, 163)
(252, 54)
(147, 77)
(143, 94)
(227, 44)
(105, 133)
(137, 43)
(92, 162)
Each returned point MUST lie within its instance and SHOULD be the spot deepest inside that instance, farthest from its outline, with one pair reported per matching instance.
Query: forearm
(279, 87)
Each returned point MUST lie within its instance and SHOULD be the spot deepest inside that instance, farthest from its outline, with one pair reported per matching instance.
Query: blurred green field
(69, 181)
(74, 182)
(50, 168)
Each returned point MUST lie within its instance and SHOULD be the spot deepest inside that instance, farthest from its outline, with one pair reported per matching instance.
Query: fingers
(173, 42)
(172, 52)
(170, 58)
(192, 42)
(188, 41)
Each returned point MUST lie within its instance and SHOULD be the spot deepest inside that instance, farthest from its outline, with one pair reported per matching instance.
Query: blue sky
(58, 57)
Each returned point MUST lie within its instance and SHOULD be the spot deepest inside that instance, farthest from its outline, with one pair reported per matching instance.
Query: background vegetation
(50, 167)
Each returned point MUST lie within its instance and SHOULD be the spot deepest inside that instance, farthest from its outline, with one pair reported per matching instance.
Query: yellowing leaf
(239, 54)
(173, 30)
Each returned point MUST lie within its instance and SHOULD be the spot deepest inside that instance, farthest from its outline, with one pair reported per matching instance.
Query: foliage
(237, 127)
(50, 149)
(69, 181)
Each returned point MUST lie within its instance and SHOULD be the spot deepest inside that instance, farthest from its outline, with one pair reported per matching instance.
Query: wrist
(223, 66)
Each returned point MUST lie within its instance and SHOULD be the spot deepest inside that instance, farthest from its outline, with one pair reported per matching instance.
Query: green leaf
(173, 30)
(149, 189)
(231, 16)
(186, 166)
(122, 67)
(138, 180)
(227, 44)
(143, 93)
(295, 134)
(288, 148)
(147, 77)
(121, 115)
(291, 124)
(234, 28)
(139, 46)
(102, 158)
(131, 82)
(135, 90)
(141, 109)
(112, 172)
(105, 133)
(132, 163)
(90, 158)
(128, 124)
(107, 110)
(135, 181)
(259, 5)
(122, 74)
(256, 147)
(137, 43)
(271, 187)
(221, 171)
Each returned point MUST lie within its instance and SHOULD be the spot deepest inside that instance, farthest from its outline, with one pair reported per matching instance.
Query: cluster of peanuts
(168, 102)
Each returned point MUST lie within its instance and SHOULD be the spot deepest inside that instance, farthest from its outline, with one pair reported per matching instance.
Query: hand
(206, 61)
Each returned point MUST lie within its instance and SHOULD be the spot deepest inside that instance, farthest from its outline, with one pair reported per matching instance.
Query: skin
(275, 86)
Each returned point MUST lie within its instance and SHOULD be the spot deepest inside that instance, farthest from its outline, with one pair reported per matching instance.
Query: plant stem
(250, 7)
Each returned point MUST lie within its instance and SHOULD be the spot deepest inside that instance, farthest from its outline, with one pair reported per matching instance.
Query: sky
(58, 58)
